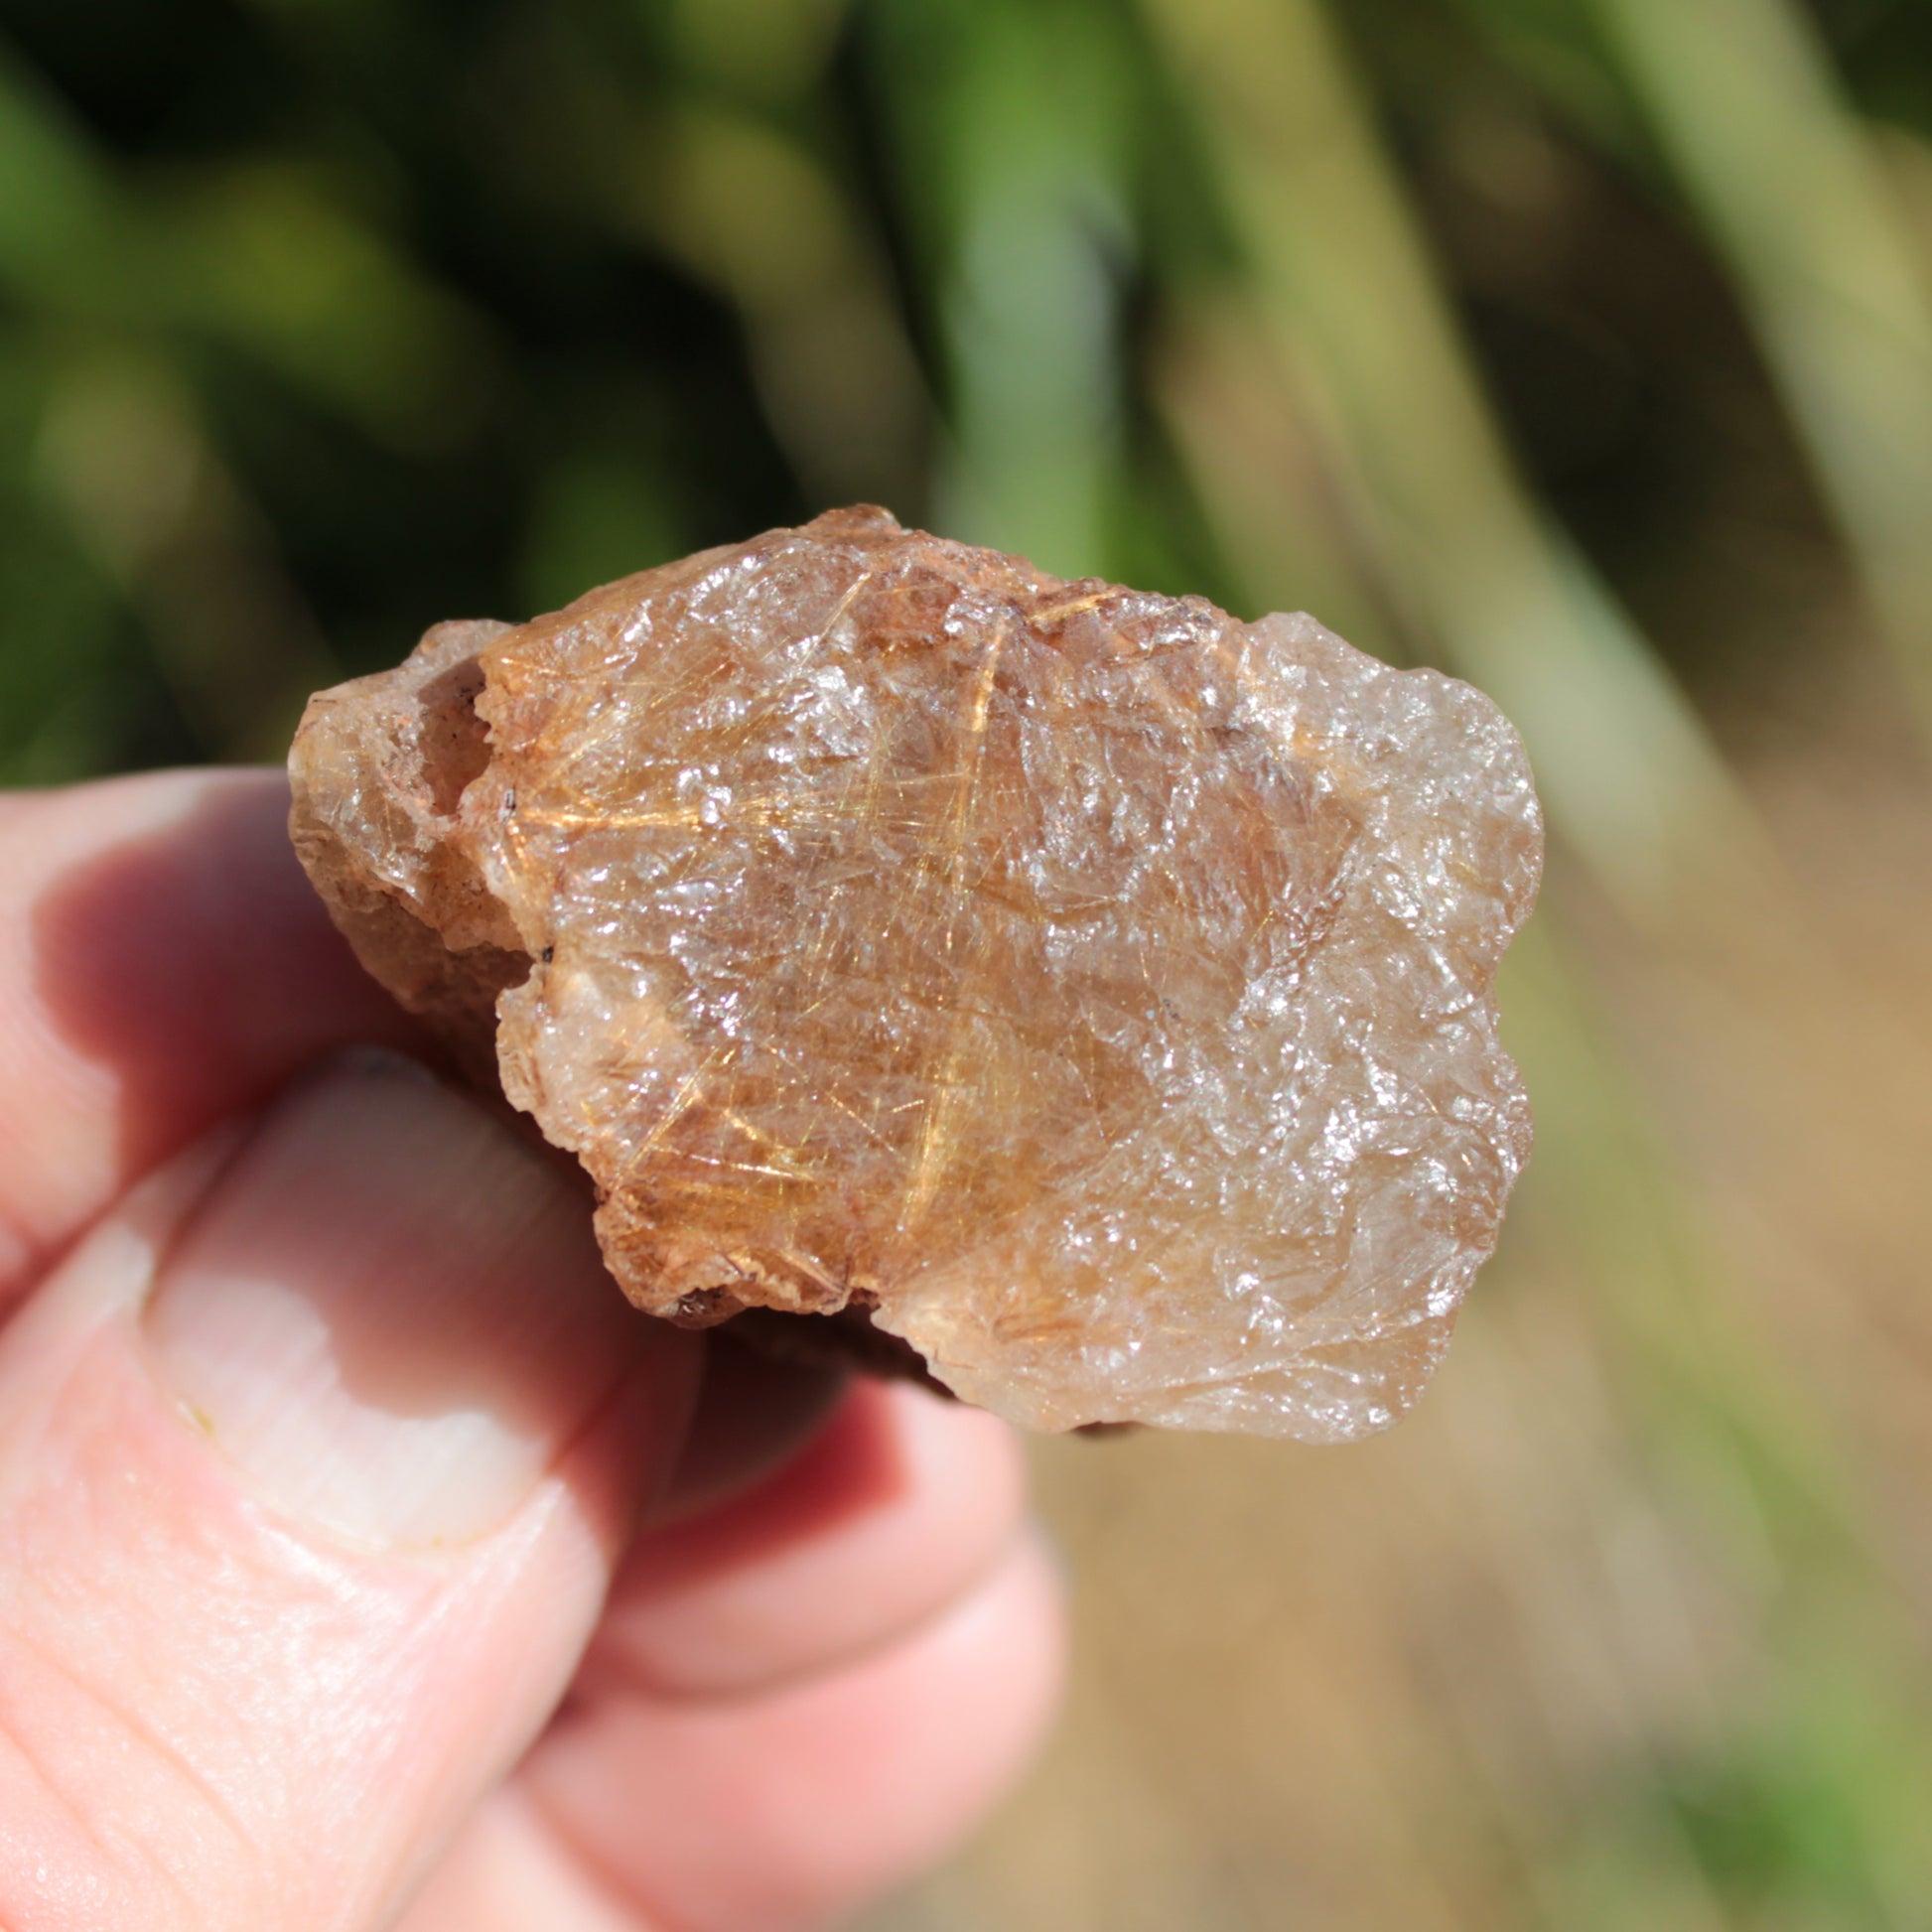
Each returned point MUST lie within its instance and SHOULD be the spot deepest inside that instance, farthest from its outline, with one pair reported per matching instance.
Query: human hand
(324, 1440)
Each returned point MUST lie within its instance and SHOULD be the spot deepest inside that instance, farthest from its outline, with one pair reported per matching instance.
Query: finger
(897, 1507)
(163, 964)
(772, 1813)
(313, 1469)
(753, 1415)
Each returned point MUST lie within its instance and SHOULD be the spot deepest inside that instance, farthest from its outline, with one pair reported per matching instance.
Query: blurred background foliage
(1580, 346)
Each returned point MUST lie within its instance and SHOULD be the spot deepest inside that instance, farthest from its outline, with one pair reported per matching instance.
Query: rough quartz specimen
(1095, 988)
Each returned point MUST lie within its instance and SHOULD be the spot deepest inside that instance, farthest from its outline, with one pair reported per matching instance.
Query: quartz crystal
(1093, 988)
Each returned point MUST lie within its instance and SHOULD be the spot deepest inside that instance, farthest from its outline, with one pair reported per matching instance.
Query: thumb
(314, 1461)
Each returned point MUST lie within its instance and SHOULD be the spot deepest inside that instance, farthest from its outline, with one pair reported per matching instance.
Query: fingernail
(389, 1312)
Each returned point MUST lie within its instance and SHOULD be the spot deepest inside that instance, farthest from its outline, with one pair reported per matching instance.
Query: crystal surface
(1094, 987)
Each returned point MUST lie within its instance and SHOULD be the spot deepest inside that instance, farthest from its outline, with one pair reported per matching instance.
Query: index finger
(163, 964)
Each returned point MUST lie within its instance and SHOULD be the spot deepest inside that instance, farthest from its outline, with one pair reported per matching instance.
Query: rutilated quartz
(1092, 987)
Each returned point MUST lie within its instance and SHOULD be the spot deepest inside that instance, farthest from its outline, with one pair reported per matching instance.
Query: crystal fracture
(1094, 988)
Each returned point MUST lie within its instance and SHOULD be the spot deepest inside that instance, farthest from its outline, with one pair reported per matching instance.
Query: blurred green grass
(1580, 346)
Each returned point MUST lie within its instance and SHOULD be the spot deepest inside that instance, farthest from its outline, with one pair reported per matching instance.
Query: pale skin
(364, 1560)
